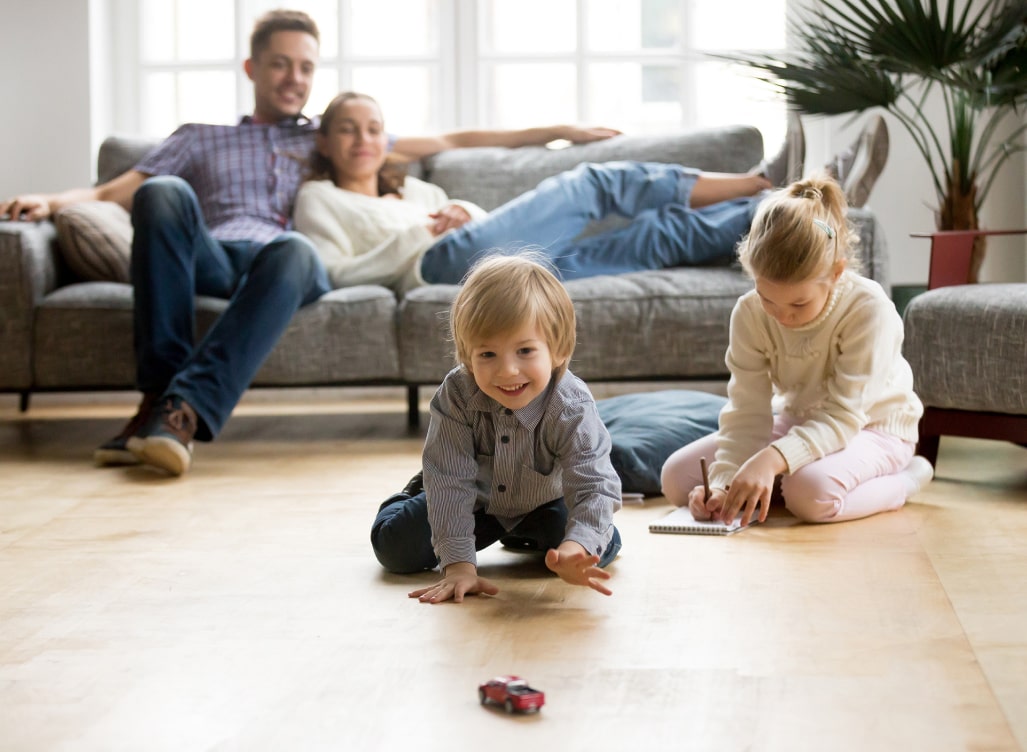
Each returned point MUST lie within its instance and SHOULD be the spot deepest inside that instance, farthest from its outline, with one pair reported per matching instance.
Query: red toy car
(513, 693)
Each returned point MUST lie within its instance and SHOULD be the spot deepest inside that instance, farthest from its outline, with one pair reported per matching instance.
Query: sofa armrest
(28, 271)
(873, 250)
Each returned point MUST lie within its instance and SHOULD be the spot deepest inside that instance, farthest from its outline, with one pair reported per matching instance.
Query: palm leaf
(853, 55)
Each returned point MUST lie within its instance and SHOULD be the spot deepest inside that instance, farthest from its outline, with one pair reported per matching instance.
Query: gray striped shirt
(480, 455)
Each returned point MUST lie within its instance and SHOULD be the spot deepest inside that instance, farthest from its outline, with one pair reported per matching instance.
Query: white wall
(50, 125)
(45, 132)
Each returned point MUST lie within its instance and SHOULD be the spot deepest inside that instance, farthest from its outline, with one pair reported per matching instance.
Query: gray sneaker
(788, 164)
(858, 173)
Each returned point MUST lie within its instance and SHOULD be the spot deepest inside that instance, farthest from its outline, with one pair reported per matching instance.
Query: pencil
(705, 480)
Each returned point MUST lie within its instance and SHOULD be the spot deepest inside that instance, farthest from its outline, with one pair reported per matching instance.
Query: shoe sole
(166, 454)
(114, 457)
(867, 167)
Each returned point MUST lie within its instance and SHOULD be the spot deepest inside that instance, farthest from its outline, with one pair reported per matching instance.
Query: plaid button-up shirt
(245, 176)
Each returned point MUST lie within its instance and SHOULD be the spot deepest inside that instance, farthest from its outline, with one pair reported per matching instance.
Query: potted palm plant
(902, 55)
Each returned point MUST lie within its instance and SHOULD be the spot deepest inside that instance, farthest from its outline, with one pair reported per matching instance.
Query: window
(435, 65)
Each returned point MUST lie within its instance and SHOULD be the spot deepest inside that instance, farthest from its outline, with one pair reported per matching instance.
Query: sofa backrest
(119, 154)
(491, 176)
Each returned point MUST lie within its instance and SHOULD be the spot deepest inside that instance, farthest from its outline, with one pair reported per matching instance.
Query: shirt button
(501, 488)
(505, 439)
(508, 411)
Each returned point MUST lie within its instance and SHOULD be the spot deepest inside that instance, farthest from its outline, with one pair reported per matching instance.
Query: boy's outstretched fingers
(578, 569)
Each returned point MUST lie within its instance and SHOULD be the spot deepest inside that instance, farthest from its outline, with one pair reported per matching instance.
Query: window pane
(373, 31)
(156, 41)
(187, 30)
(624, 25)
(528, 26)
(737, 24)
(526, 95)
(326, 86)
(403, 92)
(159, 109)
(207, 97)
(728, 96)
(171, 99)
(324, 12)
(635, 97)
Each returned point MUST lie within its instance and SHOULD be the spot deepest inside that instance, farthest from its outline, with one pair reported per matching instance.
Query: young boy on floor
(515, 450)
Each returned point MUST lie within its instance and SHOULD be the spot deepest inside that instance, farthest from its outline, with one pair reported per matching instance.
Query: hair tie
(811, 192)
(825, 227)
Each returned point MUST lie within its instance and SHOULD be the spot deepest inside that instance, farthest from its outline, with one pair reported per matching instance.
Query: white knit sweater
(370, 240)
(837, 375)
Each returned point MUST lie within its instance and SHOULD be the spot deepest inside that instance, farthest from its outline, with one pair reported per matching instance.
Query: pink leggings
(862, 479)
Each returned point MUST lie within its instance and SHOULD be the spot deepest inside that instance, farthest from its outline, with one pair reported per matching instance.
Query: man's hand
(574, 565)
(31, 207)
(449, 217)
(458, 580)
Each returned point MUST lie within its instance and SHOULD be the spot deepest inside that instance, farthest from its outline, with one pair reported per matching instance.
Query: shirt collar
(528, 416)
(296, 121)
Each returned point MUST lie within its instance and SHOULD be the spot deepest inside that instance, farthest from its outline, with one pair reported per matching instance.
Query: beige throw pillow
(96, 240)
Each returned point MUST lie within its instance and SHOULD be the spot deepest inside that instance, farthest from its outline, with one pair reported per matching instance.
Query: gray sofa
(60, 333)
(967, 346)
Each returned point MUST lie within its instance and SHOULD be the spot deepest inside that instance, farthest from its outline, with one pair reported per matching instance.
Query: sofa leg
(928, 448)
(413, 408)
(23, 402)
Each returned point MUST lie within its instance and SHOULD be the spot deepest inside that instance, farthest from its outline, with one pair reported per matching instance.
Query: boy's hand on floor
(458, 580)
(574, 565)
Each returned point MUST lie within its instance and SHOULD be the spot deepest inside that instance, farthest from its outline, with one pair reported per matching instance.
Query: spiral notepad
(681, 521)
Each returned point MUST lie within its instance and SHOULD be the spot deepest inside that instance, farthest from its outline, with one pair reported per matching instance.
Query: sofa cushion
(967, 346)
(647, 427)
(83, 338)
(490, 176)
(95, 240)
(670, 324)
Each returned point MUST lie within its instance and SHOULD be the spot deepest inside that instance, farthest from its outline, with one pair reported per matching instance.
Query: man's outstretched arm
(36, 206)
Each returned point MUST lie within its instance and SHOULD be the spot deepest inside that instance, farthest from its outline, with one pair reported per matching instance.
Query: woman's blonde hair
(799, 233)
(504, 292)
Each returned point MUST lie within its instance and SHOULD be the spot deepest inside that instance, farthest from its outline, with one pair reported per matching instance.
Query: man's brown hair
(280, 20)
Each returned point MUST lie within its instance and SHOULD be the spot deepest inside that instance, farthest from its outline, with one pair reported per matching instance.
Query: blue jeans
(175, 258)
(663, 231)
(401, 535)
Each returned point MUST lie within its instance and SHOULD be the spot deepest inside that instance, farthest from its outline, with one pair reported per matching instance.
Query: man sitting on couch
(211, 210)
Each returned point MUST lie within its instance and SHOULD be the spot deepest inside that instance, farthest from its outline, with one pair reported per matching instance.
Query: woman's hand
(458, 580)
(751, 487)
(449, 217)
(574, 565)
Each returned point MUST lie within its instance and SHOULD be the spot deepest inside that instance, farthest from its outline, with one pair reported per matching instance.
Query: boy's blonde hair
(504, 292)
(799, 233)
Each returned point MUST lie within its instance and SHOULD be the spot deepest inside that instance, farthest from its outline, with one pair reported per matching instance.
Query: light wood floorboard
(240, 607)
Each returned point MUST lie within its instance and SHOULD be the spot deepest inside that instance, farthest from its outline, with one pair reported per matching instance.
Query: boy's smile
(513, 368)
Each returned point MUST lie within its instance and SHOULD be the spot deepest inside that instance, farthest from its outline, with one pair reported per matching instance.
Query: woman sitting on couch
(403, 232)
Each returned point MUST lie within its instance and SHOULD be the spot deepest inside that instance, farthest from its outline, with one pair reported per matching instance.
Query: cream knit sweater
(370, 240)
(837, 375)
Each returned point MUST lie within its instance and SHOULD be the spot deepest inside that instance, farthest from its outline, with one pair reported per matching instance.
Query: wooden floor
(240, 607)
